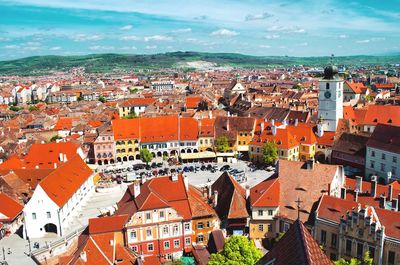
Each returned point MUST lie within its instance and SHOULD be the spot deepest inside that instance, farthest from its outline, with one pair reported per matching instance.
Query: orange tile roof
(283, 138)
(63, 182)
(45, 155)
(206, 127)
(9, 208)
(199, 207)
(107, 224)
(192, 102)
(64, 123)
(386, 114)
(11, 163)
(155, 129)
(327, 139)
(358, 88)
(266, 193)
(95, 123)
(138, 102)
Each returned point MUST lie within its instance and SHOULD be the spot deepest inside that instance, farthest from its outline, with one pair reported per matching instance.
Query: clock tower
(330, 100)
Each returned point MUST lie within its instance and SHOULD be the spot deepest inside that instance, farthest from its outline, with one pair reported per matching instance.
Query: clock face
(327, 94)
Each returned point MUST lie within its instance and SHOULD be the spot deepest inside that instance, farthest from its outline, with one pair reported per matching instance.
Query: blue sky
(255, 27)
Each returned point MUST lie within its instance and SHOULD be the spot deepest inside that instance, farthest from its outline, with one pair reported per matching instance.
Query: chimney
(320, 130)
(390, 192)
(356, 195)
(262, 127)
(273, 128)
(395, 205)
(210, 114)
(272, 122)
(55, 165)
(65, 158)
(359, 184)
(382, 201)
(215, 198)
(111, 242)
(209, 191)
(247, 191)
(174, 177)
(227, 124)
(136, 188)
(83, 256)
(310, 164)
(296, 122)
(284, 123)
(186, 181)
(343, 193)
(60, 157)
(37, 166)
(144, 178)
(373, 186)
(389, 176)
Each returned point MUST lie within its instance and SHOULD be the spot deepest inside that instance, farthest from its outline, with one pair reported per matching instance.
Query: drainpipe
(59, 221)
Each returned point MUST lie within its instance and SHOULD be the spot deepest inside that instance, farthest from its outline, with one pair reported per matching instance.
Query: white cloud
(371, 40)
(265, 46)
(262, 16)
(11, 46)
(84, 37)
(33, 43)
(302, 44)
(101, 48)
(56, 48)
(32, 48)
(343, 36)
(191, 40)
(363, 41)
(128, 48)
(224, 32)
(272, 37)
(286, 29)
(4, 39)
(378, 39)
(150, 47)
(157, 38)
(185, 30)
(127, 27)
(131, 37)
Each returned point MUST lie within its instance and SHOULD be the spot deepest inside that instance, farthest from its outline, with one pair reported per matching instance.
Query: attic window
(279, 142)
(375, 120)
(390, 121)
(301, 188)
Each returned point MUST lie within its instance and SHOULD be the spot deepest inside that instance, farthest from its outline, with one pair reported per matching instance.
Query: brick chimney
(359, 184)
(356, 195)
(373, 186)
(382, 201)
(390, 192)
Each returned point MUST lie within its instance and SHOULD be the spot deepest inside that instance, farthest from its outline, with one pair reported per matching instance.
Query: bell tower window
(327, 85)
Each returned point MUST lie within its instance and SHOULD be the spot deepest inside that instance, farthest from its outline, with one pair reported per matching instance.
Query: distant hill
(102, 63)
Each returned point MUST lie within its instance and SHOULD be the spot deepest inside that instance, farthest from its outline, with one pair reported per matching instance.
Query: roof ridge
(265, 192)
(100, 250)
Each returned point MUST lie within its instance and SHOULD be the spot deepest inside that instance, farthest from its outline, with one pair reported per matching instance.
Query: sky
(254, 27)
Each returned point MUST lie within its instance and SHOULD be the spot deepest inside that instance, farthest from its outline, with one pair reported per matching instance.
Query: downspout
(59, 221)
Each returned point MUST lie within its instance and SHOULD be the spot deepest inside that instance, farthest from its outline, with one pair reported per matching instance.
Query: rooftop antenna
(298, 207)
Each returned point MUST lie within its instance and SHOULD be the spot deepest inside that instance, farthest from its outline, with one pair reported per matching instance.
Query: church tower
(330, 108)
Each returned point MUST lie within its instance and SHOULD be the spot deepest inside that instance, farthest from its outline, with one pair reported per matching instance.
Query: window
(150, 247)
(333, 240)
(260, 228)
(382, 167)
(200, 225)
(394, 169)
(148, 216)
(360, 250)
(372, 164)
(166, 244)
(270, 228)
(327, 85)
(348, 247)
(391, 257)
(134, 248)
(176, 230)
(176, 243)
(133, 234)
(48, 215)
(260, 212)
(286, 227)
(187, 241)
(187, 227)
(270, 212)
(323, 236)
(383, 156)
(394, 159)
(34, 216)
(371, 252)
(148, 232)
(162, 214)
(200, 239)
(165, 230)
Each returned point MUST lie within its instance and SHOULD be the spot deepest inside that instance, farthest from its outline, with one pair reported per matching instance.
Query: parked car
(270, 168)
(225, 168)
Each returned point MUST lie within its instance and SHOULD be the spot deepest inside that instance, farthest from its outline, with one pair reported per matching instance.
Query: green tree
(367, 260)
(54, 138)
(133, 90)
(278, 237)
(33, 108)
(222, 144)
(131, 116)
(14, 108)
(145, 155)
(238, 250)
(270, 153)
(298, 87)
(102, 99)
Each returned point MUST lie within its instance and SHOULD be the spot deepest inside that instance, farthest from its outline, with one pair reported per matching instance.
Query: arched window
(327, 86)
(129, 142)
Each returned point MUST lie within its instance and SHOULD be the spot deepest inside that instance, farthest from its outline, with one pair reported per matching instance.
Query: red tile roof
(108, 224)
(138, 102)
(192, 102)
(297, 246)
(385, 114)
(63, 182)
(358, 88)
(9, 209)
(63, 123)
(266, 193)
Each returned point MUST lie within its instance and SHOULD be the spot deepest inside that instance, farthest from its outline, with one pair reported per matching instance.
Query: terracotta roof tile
(9, 208)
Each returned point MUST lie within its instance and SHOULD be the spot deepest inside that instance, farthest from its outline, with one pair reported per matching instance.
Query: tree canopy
(102, 99)
(270, 153)
(367, 260)
(222, 144)
(145, 155)
(238, 250)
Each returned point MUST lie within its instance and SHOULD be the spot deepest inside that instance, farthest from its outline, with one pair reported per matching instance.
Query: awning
(206, 154)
